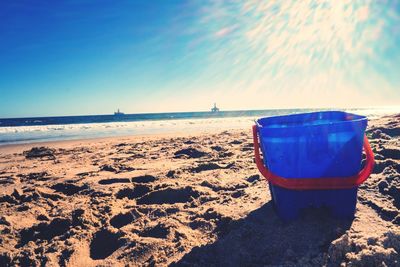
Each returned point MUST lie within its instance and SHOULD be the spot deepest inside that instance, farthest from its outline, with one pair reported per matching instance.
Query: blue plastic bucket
(313, 146)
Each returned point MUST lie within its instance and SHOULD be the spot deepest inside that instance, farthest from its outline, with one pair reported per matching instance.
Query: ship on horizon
(119, 113)
(215, 109)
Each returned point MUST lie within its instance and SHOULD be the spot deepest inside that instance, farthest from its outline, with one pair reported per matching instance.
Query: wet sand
(183, 200)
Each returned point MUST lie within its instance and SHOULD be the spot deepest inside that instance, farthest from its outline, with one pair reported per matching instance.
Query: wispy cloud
(313, 47)
(224, 31)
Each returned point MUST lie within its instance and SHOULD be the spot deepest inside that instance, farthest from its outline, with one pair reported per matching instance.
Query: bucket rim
(352, 118)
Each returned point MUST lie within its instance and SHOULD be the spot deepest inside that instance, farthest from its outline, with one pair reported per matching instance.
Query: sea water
(29, 130)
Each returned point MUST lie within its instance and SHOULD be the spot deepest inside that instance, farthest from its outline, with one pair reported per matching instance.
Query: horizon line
(199, 111)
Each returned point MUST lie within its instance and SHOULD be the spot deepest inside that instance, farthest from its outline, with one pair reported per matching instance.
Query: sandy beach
(183, 200)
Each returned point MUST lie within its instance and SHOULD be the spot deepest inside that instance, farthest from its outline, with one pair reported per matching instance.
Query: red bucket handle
(315, 183)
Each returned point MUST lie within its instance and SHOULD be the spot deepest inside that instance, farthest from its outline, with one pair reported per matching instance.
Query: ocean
(41, 129)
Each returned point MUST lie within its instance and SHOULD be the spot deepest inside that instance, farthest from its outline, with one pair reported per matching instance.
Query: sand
(183, 200)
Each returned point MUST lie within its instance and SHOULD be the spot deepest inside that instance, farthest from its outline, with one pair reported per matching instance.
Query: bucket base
(289, 203)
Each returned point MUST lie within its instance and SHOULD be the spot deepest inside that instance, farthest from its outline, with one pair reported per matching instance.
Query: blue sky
(92, 57)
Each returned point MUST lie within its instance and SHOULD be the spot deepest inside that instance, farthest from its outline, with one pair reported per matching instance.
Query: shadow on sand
(262, 238)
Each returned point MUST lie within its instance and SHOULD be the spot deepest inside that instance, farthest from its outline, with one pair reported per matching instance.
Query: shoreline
(7, 146)
(112, 139)
(78, 131)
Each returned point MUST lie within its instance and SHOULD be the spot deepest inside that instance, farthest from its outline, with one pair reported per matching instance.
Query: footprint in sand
(381, 165)
(6, 180)
(68, 189)
(133, 193)
(40, 152)
(190, 153)
(114, 181)
(169, 196)
(144, 179)
(209, 167)
(390, 153)
(44, 231)
(34, 176)
(105, 243)
(158, 231)
(122, 219)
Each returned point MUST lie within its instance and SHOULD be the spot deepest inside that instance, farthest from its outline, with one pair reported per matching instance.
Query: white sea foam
(24, 134)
